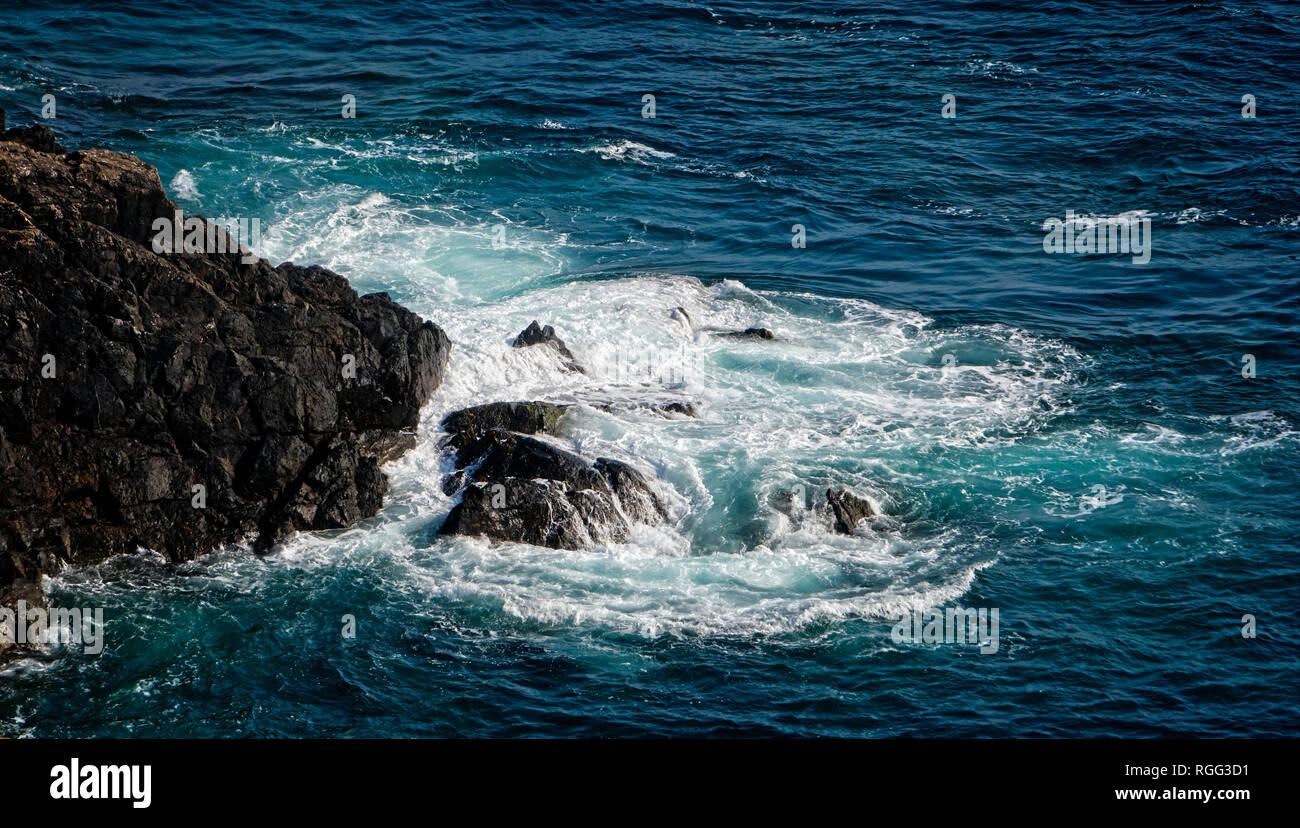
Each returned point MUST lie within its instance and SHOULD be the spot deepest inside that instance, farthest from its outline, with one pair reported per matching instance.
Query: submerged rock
(842, 510)
(535, 334)
(179, 402)
(748, 333)
(519, 488)
(662, 407)
(848, 509)
(788, 502)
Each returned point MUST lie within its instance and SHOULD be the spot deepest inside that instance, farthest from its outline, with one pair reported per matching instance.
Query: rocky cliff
(179, 401)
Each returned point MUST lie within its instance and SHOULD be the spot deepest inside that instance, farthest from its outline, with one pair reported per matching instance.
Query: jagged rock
(538, 512)
(39, 138)
(535, 334)
(636, 496)
(128, 378)
(842, 509)
(469, 424)
(748, 333)
(848, 509)
(519, 488)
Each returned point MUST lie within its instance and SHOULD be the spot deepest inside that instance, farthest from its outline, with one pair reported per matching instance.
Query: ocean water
(1066, 438)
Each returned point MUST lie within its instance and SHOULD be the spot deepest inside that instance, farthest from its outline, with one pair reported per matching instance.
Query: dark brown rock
(38, 137)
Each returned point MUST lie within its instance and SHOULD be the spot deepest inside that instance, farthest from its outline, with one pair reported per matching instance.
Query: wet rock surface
(179, 402)
(467, 425)
(748, 333)
(535, 334)
(516, 487)
(842, 510)
(849, 509)
(685, 408)
(664, 405)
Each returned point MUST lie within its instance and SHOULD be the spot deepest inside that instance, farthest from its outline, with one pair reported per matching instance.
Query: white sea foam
(1192, 215)
(847, 382)
(183, 186)
(425, 150)
(844, 397)
(998, 69)
(1254, 430)
(627, 151)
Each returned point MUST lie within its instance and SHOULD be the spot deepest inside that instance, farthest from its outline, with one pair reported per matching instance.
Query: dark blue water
(1093, 464)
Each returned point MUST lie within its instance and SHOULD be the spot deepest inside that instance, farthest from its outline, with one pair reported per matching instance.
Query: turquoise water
(1066, 438)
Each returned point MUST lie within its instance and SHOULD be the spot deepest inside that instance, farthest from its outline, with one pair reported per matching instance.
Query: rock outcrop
(179, 401)
(516, 487)
(841, 512)
(535, 334)
(848, 509)
(748, 333)
(469, 424)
